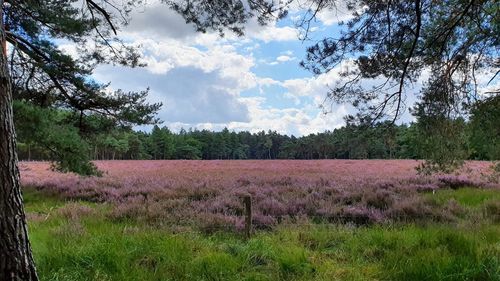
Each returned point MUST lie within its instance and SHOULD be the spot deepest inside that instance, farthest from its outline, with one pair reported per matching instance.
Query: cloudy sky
(248, 83)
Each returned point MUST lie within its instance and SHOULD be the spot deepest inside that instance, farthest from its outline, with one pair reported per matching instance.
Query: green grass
(36, 202)
(467, 197)
(89, 246)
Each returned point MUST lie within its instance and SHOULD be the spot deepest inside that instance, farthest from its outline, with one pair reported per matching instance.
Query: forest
(101, 138)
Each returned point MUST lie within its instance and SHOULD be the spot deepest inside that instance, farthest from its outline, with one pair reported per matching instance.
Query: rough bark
(16, 260)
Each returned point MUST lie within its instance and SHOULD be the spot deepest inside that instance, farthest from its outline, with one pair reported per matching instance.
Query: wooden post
(247, 201)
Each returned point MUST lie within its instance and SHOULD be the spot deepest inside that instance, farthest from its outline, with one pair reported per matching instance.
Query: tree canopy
(399, 42)
(49, 76)
(478, 139)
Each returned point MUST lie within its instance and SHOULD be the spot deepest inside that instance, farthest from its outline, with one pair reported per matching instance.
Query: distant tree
(443, 142)
(158, 143)
(136, 147)
(485, 129)
(47, 128)
(169, 145)
(288, 150)
(188, 148)
(406, 138)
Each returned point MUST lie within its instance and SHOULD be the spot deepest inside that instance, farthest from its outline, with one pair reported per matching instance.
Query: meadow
(313, 220)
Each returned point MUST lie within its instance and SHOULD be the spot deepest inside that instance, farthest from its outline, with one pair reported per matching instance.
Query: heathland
(312, 220)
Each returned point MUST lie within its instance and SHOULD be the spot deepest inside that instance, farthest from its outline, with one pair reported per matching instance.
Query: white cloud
(158, 21)
(254, 47)
(294, 121)
(284, 58)
(278, 60)
(333, 16)
(163, 56)
(295, 99)
(270, 32)
(158, 67)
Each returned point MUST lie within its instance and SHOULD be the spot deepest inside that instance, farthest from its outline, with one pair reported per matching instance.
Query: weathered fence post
(247, 201)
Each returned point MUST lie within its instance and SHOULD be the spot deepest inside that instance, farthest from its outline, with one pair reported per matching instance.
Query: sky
(251, 83)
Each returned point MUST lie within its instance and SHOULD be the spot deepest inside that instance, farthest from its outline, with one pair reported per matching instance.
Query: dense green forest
(62, 135)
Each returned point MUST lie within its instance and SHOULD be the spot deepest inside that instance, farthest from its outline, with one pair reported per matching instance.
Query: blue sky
(243, 83)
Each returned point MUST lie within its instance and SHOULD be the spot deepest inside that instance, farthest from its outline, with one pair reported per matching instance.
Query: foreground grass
(77, 241)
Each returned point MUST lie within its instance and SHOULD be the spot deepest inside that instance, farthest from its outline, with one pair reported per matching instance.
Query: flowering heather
(208, 193)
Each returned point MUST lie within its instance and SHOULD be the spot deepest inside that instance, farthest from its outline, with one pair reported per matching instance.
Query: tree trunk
(16, 260)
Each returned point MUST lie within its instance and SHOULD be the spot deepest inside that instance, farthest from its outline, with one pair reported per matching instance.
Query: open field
(315, 220)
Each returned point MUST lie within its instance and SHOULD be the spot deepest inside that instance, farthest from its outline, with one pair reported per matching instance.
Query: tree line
(61, 135)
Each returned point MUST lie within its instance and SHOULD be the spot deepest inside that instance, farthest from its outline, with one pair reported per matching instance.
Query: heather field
(313, 220)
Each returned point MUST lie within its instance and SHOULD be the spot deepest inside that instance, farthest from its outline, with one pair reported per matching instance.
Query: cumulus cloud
(296, 121)
(157, 20)
(270, 32)
(284, 58)
(163, 56)
(278, 60)
(188, 94)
